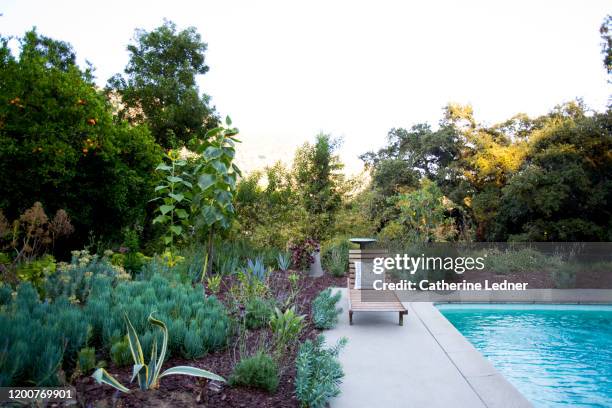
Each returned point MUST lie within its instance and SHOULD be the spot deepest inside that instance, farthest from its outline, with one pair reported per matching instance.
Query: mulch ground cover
(184, 391)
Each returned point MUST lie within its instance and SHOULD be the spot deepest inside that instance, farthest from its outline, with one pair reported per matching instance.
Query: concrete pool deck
(426, 363)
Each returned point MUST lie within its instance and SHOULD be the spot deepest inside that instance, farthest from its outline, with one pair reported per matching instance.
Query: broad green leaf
(167, 239)
(219, 166)
(206, 180)
(182, 214)
(229, 152)
(180, 163)
(174, 179)
(163, 166)
(176, 229)
(160, 188)
(230, 180)
(213, 132)
(210, 215)
(192, 371)
(212, 153)
(187, 183)
(228, 121)
(224, 222)
(165, 209)
(178, 197)
(223, 197)
(102, 377)
(160, 218)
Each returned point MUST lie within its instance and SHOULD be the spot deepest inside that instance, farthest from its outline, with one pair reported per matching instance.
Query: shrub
(213, 283)
(193, 344)
(120, 353)
(259, 371)
(520, 260)
(5, 294)
(249, 287)
(227, 265)
(191, 315)
(86, 359)
(178, 331)
(324, 310)
(37, 272)
(286, 328)
(301, 253)
(318, 372)
(33, 233)
(257, 313)
(335, 256)
(74, 280)
(39, 339)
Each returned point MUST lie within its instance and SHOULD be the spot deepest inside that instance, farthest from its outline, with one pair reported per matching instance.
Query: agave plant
(256, 269)
(284, 261)
(149, 374)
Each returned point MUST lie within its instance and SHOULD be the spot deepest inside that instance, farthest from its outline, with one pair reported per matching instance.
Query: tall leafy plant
(216, 175)
(175, 193)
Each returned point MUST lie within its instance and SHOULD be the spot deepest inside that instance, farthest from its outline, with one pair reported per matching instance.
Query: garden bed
(184, 391)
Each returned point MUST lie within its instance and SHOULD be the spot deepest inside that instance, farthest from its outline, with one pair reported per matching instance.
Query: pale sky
(286, 70)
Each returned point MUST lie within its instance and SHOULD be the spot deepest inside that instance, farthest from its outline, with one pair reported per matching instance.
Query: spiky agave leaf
(102, 377)
(192, 371)
(164, 348)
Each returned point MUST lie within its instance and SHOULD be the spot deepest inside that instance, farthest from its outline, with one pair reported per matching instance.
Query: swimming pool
(556, 355)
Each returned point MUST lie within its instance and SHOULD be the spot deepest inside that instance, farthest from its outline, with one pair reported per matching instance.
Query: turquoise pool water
(556, 355)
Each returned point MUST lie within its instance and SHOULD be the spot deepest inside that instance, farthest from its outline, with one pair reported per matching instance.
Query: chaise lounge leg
(350, 317)
(401, 319)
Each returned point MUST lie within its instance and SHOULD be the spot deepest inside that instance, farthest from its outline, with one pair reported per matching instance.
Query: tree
(540, 179)
(268, 207)
(60, 145)
(563, 190)
(606, 42)
(423, 215)
(159, 87)
(410, 156)
(316, 171)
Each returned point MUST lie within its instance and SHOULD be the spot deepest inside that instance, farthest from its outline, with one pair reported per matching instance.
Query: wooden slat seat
(382, 301)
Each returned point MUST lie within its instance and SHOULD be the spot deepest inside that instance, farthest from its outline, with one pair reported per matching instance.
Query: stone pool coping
(569, 296)
(492, 388)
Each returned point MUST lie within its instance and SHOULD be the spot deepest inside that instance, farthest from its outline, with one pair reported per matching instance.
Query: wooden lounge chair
(386, 301)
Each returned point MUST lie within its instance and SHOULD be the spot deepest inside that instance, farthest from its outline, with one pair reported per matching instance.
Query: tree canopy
(61, 145)
(159, 85)
(541, 179)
